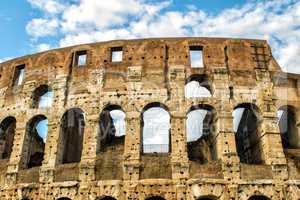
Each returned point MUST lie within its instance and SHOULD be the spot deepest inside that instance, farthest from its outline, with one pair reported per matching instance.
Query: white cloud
(49, 6)
(91, 20)
(42, 27)
(5, 59)
(43, 47)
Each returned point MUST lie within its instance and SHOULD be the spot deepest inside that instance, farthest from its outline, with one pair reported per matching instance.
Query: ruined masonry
(83, 157)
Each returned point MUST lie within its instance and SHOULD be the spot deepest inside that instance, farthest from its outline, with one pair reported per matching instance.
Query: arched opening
(155, 140)
(246, 124)
(288, 128)
(155, 198)
(34, 143)
(209, 197)
(106, 198)
(156, 129)
(110, 147)
(201, 134)
(197, 86)
(112, 127)
(259, 197)
(71, 136)
(7, 133)
(42, 97)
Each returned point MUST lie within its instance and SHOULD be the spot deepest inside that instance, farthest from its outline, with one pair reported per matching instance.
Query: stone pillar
(50, 154)
(89, 151)
(179, 155)
(225, 136)
(132, 147)
(272, 150)
(16, 154)
(225, 144)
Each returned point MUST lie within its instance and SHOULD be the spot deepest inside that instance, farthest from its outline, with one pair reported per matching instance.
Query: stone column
(132, 147)
(16, 154)
(89, 151)
(226, 145)
(179, 156)
(50, 154)
(225, 136)
(272, 150)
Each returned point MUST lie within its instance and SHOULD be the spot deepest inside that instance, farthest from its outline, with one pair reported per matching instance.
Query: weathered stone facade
(239, 71)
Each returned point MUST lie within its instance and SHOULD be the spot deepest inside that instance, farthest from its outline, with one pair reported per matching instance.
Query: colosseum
(145, 119)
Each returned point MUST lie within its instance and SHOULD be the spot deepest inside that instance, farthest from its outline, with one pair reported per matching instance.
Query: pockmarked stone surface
(165, 118)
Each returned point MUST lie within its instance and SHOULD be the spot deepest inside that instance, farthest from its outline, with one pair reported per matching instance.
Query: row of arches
(196, 86)
(155, 136)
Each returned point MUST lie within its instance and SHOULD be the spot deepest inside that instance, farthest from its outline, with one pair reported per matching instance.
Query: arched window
(209, 197)
(287, 126)
(71, 136)
(246, 122)
(156, 129)
(7, 133)
(200, 133)
(259, 197)
(155, 198)
(197, 86)
(34, 143)
(42, 97)
(112, 126)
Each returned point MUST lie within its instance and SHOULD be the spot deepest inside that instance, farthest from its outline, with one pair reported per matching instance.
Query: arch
(209, 197)
(200, 131)
(155, 123)
(71, 136)
(106, 198)
(42, 97)
(34, 143)
(7, 133)
(112, 126)
(246, 125)
(288, 128)
(155, 198)
(259, 197)
(197, 86)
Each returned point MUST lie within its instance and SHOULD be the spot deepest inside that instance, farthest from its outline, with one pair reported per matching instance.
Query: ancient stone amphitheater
(167, 118)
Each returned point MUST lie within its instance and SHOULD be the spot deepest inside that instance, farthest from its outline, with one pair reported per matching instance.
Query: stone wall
(152, 70)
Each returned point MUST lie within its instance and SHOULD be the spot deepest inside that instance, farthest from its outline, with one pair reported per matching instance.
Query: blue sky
(29, 26)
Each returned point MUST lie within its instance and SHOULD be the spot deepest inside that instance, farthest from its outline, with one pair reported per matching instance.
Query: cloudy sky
(28, 26)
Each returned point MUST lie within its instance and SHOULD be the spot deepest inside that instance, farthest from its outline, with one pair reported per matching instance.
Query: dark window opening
(156, 126)
(288, 128)
(155, 198)
(246, 122)
(7, 133)
(35, 139)
(116, 54)
(42, 97)
(71, 136)
(80, 58)
(259, 197)
(197, 86)
(201, 134)
(196, 56)
(106, 198)
(112, 127)
(19, 75)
